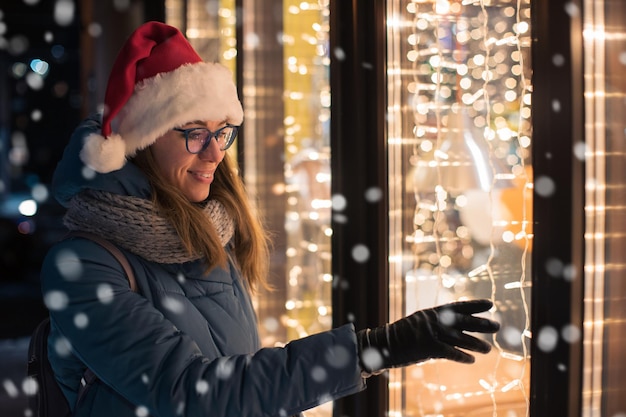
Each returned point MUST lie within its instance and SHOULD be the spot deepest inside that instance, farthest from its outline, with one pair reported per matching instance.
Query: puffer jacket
(187, 344)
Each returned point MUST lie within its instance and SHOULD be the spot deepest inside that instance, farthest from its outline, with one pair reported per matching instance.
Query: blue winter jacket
(187, 344)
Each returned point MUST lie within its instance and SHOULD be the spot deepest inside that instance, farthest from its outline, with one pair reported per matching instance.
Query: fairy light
(447, 55)
(596, 276)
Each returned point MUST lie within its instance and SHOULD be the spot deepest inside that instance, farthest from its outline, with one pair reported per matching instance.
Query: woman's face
(191, 173)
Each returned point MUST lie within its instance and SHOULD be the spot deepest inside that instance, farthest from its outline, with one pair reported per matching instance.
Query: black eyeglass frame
(212, 135)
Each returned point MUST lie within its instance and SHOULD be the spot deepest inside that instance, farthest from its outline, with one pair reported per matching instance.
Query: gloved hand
(427, 334)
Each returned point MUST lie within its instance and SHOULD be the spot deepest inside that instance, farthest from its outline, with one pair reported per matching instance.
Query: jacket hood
(72, 175)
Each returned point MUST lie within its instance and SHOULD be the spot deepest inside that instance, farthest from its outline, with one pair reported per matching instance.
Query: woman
(152, 176)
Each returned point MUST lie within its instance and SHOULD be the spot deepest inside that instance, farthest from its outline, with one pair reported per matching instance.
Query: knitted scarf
(133, 224)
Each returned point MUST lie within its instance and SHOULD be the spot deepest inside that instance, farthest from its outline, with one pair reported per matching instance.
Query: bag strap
(88, 376)
(115, 251)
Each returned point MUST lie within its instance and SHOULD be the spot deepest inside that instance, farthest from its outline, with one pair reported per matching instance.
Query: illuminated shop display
(460, 179)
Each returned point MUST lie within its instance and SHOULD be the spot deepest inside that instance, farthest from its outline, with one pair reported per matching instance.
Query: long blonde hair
(197, 233)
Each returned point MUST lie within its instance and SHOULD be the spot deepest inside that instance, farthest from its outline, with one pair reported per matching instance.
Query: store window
(460, 181)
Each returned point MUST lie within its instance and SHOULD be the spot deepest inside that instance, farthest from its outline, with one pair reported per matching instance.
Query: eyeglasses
(199, 138)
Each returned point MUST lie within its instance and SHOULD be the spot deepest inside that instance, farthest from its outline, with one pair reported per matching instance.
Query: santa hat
(157, 82)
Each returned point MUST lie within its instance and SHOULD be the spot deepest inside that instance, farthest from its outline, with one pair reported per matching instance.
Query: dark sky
(44, 113)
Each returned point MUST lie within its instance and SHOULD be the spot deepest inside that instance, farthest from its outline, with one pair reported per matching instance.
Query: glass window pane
(460, 184)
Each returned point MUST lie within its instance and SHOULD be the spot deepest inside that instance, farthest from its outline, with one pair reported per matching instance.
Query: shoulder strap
(88, 376)
(115, 251)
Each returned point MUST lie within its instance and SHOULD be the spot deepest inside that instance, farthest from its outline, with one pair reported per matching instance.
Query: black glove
(427, 334)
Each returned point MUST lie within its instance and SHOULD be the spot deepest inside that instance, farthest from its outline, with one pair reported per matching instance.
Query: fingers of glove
(467, 307)
(465, 341)
(471, 323)
(443, 351)
(427, 323)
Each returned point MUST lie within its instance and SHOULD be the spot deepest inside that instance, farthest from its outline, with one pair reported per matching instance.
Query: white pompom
(103, 154)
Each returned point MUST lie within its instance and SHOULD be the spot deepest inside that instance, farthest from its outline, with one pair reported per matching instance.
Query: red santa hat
(157, 82)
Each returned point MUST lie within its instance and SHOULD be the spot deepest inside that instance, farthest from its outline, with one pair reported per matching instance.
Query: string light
(600, 258)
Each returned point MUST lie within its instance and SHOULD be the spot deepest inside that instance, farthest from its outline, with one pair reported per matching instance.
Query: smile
(205, 177)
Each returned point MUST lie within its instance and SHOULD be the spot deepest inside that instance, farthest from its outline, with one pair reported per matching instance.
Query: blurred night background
(44, 93)
(40, 104)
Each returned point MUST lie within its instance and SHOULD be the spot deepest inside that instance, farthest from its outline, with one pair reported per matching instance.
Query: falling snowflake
(105, 293)
(202, 387)
(55, 300)
(360, 253)
(69, 265)
(337, 357)
(63, 347)
(372, 358)
(142, 411)
(81, 321)
(64, 12)
(173, 305)
(319, 374)
(224, 368)
(547, 339)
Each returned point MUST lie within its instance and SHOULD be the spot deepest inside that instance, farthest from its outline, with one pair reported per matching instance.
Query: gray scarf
(134, 224)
